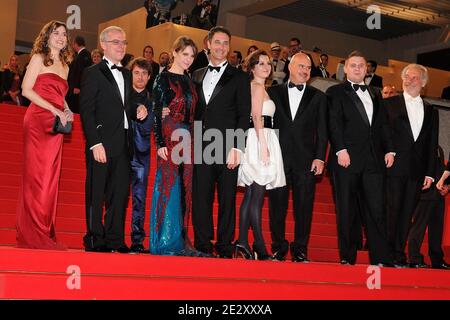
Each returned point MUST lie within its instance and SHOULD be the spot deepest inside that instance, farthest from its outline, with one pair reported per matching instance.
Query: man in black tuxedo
(361, 149)
(301, 119)
(414, 125)
(224, 105)
(429, 213)
(79, 64)
(106, 115)
(323, 66)
(371, 79)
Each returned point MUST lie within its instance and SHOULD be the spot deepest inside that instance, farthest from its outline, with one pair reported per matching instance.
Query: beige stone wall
(161, 37)
(8, 21)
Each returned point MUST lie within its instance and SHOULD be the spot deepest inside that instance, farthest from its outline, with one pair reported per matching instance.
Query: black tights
(250, 214)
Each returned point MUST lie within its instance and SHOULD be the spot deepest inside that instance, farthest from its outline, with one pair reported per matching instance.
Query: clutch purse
(59, 128)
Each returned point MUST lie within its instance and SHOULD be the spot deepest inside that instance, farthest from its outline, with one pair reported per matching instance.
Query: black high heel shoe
(261, 254)
(242, 251)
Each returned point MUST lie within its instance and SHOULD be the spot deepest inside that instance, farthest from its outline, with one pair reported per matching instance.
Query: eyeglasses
(118, 42)
(302, 66)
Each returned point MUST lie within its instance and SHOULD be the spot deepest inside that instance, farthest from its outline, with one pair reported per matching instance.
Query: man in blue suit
(140, 164)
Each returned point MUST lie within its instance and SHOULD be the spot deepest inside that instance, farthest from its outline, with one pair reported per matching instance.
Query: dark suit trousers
(428, 213)
(73, 101)
(303, 185)
(205, 179)
(107, 183)
(360, 193)
(403, 194)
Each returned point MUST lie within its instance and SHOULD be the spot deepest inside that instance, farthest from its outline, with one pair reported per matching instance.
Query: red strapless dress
(42, 150)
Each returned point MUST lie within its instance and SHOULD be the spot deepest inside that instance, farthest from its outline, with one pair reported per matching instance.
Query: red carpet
(42, 274)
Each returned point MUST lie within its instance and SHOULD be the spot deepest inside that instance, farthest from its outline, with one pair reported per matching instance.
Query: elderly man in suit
(106, 113)
(414, 125)
(301, 119)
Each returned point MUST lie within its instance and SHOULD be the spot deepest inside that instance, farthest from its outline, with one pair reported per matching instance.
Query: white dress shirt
(366, 99)
(414, 107)
(295, 97)
(211, 79)
(118, 76)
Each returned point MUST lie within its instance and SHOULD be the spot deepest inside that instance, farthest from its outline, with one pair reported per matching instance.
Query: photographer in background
(204, 15)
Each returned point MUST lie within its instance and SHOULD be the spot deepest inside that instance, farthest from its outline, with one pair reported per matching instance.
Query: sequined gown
(172, 193)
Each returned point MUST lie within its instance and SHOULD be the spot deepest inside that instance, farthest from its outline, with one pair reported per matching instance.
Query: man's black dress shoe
(224, 255)
(443, 266)
(385, 265)
(137, 248)
(103, 249)
(122, 249)
(346, 262)
(418, 265)
(279, 256)
(299, 257)
(400, 265)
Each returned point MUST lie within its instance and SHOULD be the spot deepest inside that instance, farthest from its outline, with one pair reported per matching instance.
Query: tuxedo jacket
(321, 75)
(201, 61)
(303, 138)
(102, 109)
(415, 159)
(376, 81)
(349, 128)
(230, 104)
(78, 65)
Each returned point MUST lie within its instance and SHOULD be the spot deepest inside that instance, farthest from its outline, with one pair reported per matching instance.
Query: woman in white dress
(262, 163)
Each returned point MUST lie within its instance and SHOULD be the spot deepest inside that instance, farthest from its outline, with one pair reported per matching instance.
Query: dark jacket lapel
(201, 76)
(108, 74)
(284, 96)
(357, 102)
(404, 116)
(226, 76)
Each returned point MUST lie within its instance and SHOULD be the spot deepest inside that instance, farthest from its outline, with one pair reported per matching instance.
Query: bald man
(300, 117)
(388, 91)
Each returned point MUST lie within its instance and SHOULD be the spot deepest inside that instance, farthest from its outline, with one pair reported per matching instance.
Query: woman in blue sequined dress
(172, 193)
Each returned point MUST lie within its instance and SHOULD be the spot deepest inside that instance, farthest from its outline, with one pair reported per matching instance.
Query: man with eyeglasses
(300, 118)
(106, 112)
(361, 150)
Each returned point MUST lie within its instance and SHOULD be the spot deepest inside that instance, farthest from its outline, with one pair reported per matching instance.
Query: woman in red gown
(45, 85)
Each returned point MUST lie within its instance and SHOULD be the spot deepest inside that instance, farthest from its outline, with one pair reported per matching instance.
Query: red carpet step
(37, 274)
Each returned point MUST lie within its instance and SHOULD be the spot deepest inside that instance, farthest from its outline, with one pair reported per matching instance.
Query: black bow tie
(117, 67)
(368, 76)
(359, 86)
(298, 86)
(211, 68)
